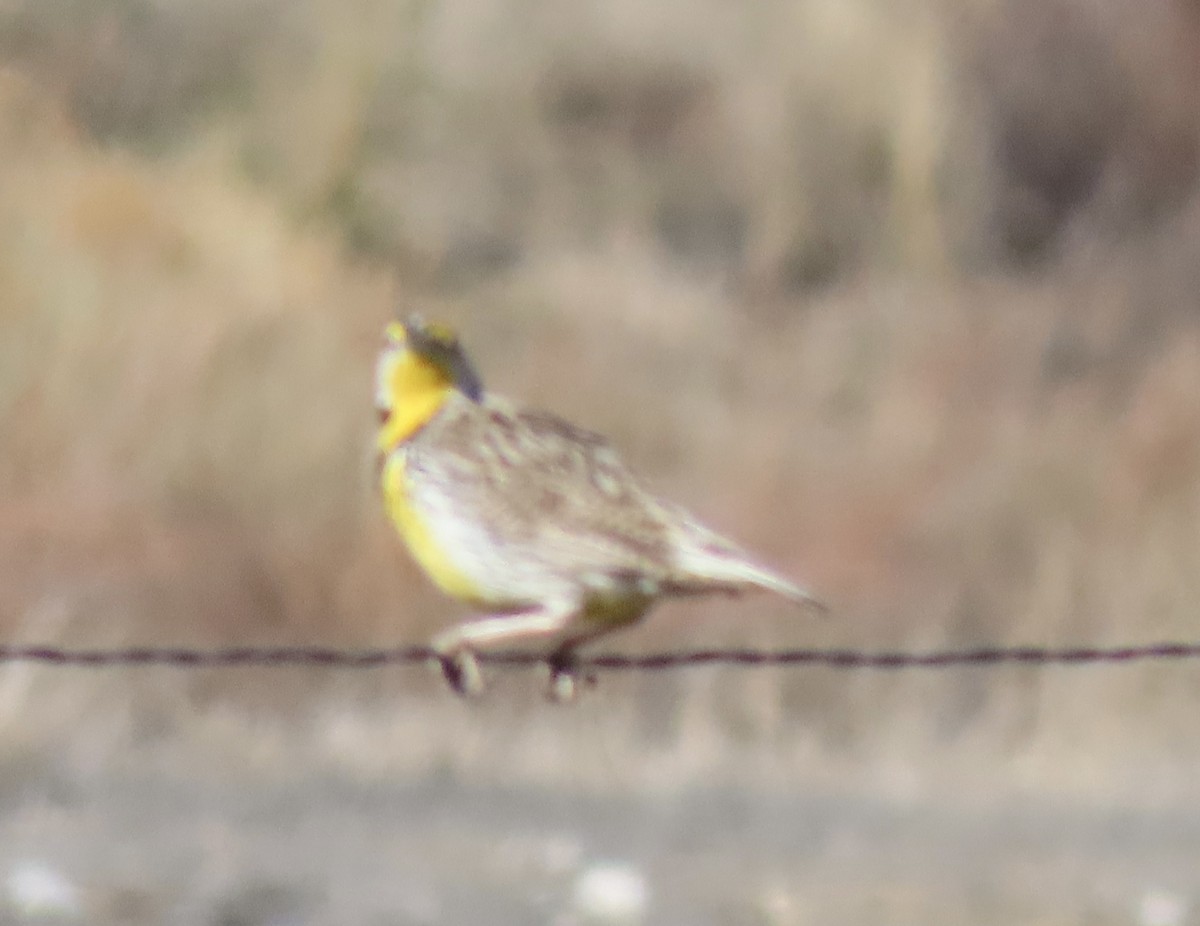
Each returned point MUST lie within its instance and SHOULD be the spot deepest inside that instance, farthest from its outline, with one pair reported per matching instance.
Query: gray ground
(153, 847)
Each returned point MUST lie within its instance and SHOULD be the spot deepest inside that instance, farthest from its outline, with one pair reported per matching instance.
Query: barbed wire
(379, 657)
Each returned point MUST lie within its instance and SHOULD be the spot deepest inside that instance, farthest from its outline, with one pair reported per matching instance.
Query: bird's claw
(565, 678)
(461, 671)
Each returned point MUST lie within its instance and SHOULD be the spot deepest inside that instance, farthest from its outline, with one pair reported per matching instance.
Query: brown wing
(558, 491)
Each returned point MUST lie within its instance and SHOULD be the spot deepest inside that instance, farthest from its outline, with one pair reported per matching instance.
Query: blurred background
(900, 293)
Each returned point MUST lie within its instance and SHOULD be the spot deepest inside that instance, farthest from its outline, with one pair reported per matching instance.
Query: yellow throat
(413, 380)
(420, 368)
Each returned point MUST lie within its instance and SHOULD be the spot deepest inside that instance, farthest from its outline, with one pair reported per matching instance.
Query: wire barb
(374, 658)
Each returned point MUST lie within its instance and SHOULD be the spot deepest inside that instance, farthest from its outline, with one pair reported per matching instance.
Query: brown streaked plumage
(536, 522)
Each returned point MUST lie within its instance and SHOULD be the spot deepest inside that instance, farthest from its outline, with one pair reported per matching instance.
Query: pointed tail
(758, 577)
(710, 563)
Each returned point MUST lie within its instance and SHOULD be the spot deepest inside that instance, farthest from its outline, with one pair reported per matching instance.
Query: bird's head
(420, 366)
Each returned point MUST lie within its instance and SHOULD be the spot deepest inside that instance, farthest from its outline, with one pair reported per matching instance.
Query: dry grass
(889, 294)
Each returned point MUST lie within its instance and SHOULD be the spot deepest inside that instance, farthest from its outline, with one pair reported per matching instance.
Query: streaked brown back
(544, 487)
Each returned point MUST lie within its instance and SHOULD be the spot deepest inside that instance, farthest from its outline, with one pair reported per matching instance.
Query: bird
(534, 522)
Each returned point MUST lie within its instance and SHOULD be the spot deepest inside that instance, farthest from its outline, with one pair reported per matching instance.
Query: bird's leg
(563, 664)
(564, 680)
(456, 647)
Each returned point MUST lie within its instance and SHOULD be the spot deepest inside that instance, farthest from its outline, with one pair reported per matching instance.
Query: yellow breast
(420, 536)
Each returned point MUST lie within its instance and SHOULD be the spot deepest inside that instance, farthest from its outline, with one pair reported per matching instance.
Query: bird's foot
(460, 668)
(565, 679)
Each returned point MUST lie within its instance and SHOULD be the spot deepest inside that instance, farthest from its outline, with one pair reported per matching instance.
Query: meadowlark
(531, 520)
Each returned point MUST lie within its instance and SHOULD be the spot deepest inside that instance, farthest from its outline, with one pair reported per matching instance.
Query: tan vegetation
(903, 295)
